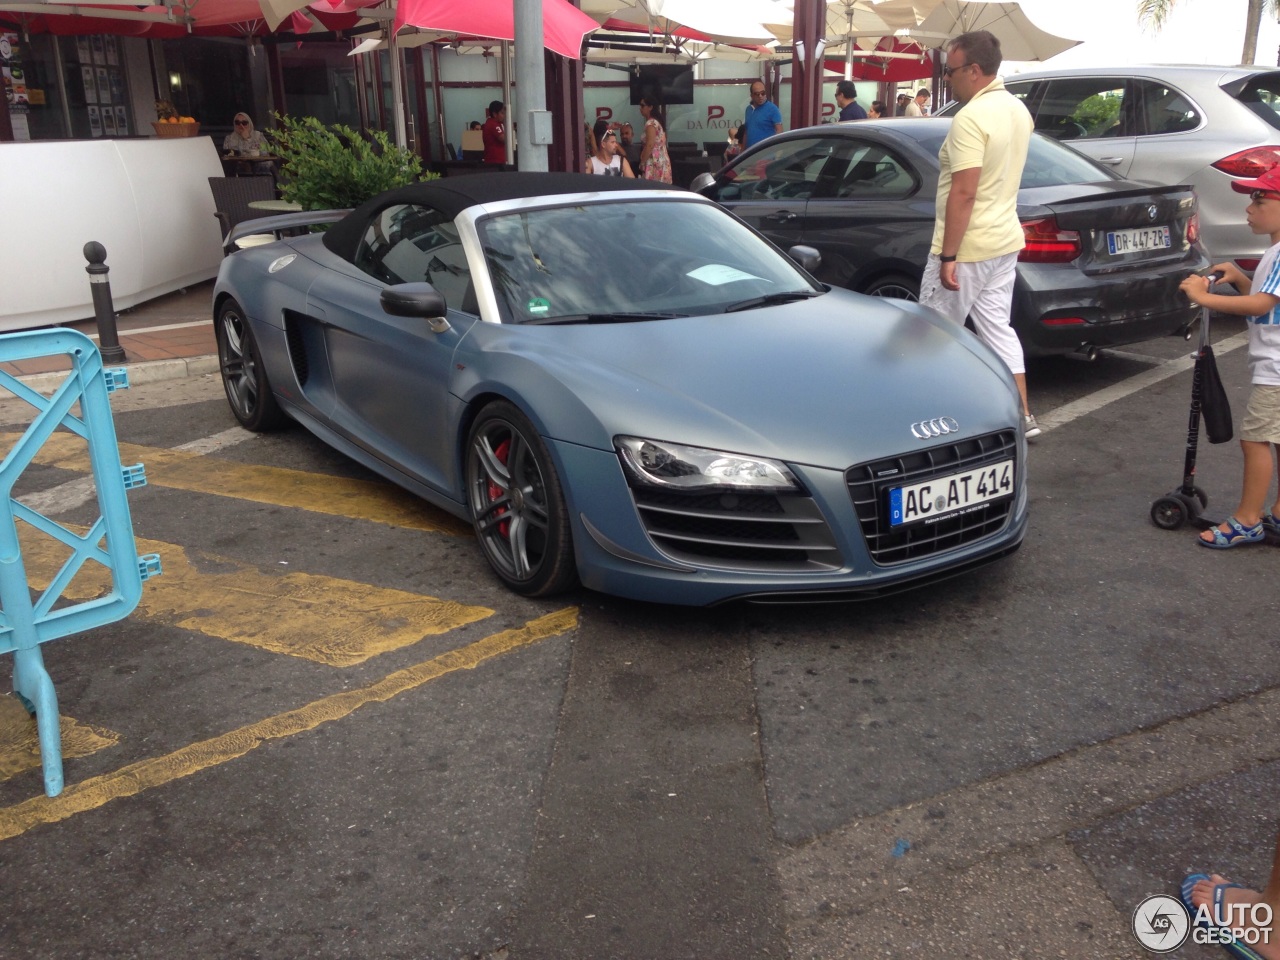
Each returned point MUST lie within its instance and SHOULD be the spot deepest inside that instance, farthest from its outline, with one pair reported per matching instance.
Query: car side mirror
(808, 259)
(702, 181)
(416, 300)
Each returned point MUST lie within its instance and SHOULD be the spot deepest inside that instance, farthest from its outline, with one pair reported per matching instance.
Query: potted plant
(335, 167)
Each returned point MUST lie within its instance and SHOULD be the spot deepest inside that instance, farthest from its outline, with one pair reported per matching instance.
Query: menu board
(102, 82)
(16, 94)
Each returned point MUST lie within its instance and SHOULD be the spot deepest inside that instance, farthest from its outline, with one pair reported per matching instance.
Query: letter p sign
(714, 113)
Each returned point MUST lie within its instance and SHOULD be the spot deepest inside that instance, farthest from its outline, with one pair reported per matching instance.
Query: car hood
(831, 381)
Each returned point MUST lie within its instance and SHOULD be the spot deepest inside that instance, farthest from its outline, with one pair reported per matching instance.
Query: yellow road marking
(158, 771)
(376, 501)
(323, 619)
(20, 741)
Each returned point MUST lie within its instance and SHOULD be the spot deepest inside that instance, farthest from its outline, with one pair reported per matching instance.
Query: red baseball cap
(1269, 181)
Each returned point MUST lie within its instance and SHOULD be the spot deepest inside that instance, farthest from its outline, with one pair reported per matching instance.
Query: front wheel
(1168, 513)
(897, 287)
(517, 505)
(243, 375)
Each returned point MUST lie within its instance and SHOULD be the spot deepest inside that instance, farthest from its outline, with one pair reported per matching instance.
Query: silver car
(1199, 125)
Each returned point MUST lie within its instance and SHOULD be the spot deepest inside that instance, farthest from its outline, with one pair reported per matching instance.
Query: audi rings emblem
(928, 429)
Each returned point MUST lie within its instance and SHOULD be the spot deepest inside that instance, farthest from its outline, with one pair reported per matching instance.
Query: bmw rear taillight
(1193, 228)
(1253, 162)
(1047, 243)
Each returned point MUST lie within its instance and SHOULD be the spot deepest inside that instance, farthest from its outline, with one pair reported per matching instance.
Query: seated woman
(245, 143)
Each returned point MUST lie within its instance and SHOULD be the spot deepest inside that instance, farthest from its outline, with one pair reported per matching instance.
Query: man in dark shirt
(847, 101)
(494, 133)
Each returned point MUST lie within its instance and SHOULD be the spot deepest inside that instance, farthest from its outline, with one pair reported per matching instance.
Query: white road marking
(1118, 391)
(160, 329)
(76, 493)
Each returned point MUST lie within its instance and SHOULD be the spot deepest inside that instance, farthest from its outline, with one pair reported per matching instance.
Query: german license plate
(1138, 240)
(946, 496)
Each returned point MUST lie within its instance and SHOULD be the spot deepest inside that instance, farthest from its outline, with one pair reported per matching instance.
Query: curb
(148, 371)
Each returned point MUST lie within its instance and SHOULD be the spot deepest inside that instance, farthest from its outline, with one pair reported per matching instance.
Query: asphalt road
(327, 732)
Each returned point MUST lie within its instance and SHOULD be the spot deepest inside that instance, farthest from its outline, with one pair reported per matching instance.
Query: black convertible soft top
(452, 195)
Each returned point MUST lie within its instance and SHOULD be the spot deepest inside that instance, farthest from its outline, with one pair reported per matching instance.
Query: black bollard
(103, 311)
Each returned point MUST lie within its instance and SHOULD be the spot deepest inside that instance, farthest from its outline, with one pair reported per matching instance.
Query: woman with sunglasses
(244, 142)
(655, 162)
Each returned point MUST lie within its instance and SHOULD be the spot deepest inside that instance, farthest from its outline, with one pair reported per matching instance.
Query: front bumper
(615, 555)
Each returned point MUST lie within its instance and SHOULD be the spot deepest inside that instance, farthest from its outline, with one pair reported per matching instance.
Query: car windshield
(1049, 163)
(631, 260)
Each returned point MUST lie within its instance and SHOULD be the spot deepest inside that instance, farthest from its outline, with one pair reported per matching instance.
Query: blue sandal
(1237, 949)
(1237, 536)
(1271, 523)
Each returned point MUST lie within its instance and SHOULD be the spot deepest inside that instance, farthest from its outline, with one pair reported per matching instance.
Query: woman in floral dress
(655, 163)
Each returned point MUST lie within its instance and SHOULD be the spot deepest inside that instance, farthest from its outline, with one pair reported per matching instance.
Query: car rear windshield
(1049, 163)
(1261, 94)
(629, 258)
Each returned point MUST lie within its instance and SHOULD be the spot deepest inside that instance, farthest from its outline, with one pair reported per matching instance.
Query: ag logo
(1161, 923)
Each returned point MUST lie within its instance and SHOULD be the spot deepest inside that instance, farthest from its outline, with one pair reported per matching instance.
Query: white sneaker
(1030, 427)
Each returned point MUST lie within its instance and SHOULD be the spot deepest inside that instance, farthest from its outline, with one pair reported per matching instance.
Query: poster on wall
(99, 54)
(95, 122)
(113, 56)
(117, 87)
(90, 85)
(104, 85)
(109, 121)
(122, 122)
(84, 50)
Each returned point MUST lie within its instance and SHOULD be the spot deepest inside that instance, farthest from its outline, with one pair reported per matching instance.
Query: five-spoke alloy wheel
(517, 505)
(243, 374)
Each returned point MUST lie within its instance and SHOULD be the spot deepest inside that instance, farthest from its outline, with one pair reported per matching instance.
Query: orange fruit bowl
(168, 130)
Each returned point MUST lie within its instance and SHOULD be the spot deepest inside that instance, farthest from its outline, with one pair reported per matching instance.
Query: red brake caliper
(495, 491)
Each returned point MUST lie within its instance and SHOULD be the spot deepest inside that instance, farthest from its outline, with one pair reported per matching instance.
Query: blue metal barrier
(29, 617)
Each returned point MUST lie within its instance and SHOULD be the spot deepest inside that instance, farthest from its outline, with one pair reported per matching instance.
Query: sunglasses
(948, 71)
(1257, 195)
(757, 93)
(241, 123)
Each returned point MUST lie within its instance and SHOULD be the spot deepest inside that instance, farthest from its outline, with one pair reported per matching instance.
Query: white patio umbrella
(1020, 39)
(743, 21)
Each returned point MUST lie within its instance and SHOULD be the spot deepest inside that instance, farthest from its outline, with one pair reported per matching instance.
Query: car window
(873, 173)
(790, 170)
(1050, 164)
(626, 257)
(1261, 94)
(412, 243)
(1163, 109)
(1077, 108)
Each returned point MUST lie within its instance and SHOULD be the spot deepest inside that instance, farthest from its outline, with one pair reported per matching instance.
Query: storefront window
(94, 81)
(320, 82)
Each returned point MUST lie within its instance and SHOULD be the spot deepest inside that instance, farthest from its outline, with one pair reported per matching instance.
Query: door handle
(782, 216)
(1111, 160)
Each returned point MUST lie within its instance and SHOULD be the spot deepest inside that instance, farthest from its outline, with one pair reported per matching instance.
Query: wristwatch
(944, 259)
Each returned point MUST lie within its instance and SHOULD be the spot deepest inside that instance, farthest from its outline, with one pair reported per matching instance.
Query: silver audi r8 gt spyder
(624, 385)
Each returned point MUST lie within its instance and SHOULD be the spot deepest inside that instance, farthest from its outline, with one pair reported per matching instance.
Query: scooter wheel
(1168, 513)
(1201, 496)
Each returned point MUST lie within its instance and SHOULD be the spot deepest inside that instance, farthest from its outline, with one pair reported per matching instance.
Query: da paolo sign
(1162, 924)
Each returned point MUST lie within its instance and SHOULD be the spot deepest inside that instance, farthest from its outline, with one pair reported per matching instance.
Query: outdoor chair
(232, 195)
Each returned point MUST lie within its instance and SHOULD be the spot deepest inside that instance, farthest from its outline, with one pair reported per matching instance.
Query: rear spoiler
(283, 224)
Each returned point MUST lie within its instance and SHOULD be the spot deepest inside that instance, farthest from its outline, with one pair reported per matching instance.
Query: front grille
(743, 531)
(869, 485)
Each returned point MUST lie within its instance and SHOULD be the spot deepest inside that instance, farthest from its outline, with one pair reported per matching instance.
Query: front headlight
(674, 465)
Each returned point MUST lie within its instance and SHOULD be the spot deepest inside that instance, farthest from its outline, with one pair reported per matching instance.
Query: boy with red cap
(1260, 428)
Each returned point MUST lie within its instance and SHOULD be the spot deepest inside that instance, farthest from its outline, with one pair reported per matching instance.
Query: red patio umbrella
(564, 26)
(894, 69)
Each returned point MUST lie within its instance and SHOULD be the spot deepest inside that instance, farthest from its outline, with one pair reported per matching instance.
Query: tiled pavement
(168, 337)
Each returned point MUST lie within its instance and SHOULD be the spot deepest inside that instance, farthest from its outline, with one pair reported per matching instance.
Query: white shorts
(985, 296)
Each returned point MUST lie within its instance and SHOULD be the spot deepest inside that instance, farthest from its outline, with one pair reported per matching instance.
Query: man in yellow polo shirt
(977, 234)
